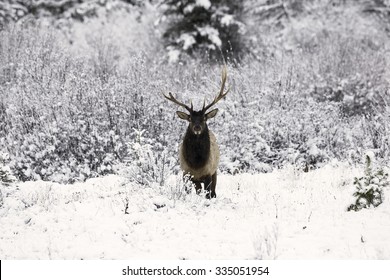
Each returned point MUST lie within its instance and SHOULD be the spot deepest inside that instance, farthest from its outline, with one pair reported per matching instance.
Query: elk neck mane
(196, 150)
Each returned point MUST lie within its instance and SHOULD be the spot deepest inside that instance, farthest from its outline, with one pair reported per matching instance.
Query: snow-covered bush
(63, 117)
(369, 188)
(205, 27)
(146, 161)
(14, 10)
(65, 153)
(268, 122)
(376, 131)
(298, 134)
(180, 190)
(352, 73)
(6, 176)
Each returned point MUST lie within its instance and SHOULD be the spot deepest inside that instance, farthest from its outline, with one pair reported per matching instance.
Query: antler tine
(174, 100)
(221, 93)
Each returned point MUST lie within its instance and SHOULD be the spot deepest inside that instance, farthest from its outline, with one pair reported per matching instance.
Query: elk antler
(174, 100)
(221, 93)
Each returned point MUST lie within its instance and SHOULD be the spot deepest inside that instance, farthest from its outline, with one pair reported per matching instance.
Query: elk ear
(183, 116)
(211, 114)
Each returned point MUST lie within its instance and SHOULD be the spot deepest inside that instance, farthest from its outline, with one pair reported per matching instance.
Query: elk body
(199, 152)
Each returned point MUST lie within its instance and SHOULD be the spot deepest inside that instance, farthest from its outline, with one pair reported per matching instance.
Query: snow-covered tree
(211, 27)
(6, 176)
(369, 188)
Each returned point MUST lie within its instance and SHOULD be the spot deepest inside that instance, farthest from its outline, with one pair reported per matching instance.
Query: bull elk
(199, 152)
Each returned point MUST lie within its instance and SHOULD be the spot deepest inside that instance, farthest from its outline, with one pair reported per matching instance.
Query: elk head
(197, 119)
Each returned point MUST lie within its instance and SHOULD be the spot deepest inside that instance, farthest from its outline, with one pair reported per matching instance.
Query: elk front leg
(198, 187)
(213, 185)
(188, 187)
(210, 184)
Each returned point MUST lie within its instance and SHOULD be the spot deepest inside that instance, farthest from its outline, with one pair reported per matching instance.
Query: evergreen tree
(369, 188)
(211, 27)
(6, 177)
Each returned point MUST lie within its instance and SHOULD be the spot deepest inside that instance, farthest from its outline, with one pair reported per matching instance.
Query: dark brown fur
(196, 154)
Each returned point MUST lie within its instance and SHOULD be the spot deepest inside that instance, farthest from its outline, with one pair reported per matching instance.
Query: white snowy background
(92, 144)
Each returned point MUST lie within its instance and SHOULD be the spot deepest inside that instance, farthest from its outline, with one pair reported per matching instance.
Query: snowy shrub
(338, 48)
(268, 124)
(64, 154)
(280, 136)
(369, 188)
(14, 10)
(350, 72)
(65, 118)
(54, 124)
(6, 176)
(376, 130)
(204, 27)
(146, 161)
(181, 189)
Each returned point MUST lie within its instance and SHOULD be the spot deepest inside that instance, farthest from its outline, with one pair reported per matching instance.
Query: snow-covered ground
(286, 214)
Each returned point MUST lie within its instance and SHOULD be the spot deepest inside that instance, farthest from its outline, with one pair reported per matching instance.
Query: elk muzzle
(197, 129)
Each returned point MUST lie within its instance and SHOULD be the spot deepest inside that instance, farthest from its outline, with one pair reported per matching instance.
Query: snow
(212, 34)
(227, 20)
(286, 214)
(188, 9)
(206, 4)
(173, 55)
(188, 40)
(203, 3)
